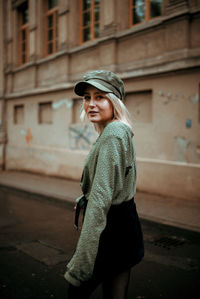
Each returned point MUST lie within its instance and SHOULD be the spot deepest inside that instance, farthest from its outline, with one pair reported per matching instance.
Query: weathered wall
(160, 64)
(170, 179)
(50, 143)
(172, 132)
(52, 72)
(165, 112)
(167, 131)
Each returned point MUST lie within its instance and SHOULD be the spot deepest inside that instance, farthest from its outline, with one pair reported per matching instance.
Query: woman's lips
(93, 112)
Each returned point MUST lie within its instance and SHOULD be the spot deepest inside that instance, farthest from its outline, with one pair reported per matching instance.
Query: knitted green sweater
(109, 178)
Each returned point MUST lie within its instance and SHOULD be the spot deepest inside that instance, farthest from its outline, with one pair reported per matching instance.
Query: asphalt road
(37, 239)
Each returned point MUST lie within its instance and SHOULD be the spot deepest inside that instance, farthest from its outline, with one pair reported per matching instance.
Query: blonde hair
(120, 112)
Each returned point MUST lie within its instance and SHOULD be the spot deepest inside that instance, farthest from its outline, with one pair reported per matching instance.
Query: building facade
(153, 45)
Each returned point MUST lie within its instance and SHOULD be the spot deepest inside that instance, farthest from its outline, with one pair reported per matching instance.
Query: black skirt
(120, 247)
(121, 243)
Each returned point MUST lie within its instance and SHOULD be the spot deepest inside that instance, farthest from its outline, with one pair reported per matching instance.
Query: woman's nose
(92, 102)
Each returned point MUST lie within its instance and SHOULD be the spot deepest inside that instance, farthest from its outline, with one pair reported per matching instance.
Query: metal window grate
(169, 242)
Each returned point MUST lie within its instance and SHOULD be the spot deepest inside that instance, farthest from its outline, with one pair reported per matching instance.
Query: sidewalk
(167, 210)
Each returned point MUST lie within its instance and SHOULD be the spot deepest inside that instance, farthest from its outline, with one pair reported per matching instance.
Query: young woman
(111, 240)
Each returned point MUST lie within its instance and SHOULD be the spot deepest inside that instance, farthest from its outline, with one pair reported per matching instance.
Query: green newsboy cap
(105, 81)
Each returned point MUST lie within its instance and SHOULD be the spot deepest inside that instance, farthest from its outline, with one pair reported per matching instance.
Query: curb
(68, 202)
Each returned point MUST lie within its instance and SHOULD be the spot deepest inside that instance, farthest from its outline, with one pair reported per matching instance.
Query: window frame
(16, 114)
(92, 22)
(147, 17)
(23, 27)
(42, 106)
(54, 13)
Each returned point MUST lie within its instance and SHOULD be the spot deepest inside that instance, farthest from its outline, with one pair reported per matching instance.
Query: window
(45, 113)
(143, 10)
(51, 24)
(89, 19)
(76, 110)
(139, 105)
(18, 114)
(23, 33)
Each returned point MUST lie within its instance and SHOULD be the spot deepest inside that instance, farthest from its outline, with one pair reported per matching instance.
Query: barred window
(89, 19)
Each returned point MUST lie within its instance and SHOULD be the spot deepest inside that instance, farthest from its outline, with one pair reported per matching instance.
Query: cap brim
(80, 87)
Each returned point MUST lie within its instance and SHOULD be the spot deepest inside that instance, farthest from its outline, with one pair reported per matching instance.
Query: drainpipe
(3, 138)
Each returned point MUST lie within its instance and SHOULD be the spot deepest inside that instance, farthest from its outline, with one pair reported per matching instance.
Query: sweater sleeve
(108, 175)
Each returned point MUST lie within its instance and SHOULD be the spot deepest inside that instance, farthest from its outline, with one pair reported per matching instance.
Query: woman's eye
(99, 98)
(86, 98)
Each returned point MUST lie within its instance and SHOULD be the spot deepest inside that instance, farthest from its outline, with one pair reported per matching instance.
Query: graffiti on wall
(187, 150)
(168, 97)
(81, 136)
(182, 145)
(28, 135)
(194, 98)
(62, 102)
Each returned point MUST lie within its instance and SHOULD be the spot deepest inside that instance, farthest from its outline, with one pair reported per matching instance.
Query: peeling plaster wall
(174, 132)
(167, 143)
(168, 146)
(43, 147)
(55, 161)
(169, 178)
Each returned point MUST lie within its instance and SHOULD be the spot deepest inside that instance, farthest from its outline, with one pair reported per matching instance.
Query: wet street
(37, 239)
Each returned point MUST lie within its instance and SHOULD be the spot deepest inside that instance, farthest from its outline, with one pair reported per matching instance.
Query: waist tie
(80, 206)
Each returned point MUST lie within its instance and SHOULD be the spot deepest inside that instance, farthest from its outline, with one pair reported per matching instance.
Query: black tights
(113, 288)
(116, 288)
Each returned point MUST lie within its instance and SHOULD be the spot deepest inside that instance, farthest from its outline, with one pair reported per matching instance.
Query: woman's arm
(108, 177)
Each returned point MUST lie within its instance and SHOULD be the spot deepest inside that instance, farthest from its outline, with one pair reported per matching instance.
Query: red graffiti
(28, 136)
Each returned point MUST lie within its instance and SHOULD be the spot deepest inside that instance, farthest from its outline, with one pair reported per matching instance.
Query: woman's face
(97, 106)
